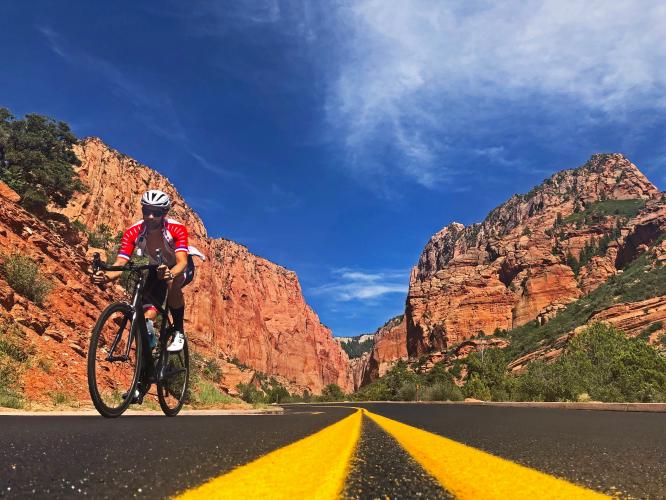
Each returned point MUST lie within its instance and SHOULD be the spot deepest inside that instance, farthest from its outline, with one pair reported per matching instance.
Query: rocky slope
(389, 346)
(59, 329)
(532, 255)
(633, 318)
(240, 305)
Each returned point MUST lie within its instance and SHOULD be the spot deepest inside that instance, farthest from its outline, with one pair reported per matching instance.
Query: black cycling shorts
(156, 289)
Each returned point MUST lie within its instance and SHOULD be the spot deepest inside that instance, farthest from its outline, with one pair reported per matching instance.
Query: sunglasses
(155, 213)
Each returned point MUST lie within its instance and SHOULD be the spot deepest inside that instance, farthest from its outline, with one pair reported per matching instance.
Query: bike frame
(138, 321)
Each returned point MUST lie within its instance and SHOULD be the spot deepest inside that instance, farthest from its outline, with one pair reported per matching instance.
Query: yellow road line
(469, 473)
(313, 467)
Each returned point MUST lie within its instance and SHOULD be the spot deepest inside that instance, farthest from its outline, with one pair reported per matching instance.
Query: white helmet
(156, 199)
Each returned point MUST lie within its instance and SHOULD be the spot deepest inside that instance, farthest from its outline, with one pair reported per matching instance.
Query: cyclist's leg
(177, 308)
(153, 294)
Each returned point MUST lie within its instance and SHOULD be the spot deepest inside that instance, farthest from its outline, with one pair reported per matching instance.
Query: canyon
(526, 262)
(243, 311)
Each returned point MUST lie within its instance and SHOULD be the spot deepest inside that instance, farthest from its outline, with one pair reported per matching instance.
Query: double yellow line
(317, 467)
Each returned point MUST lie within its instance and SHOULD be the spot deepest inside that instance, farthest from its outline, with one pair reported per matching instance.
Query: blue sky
(335, 138)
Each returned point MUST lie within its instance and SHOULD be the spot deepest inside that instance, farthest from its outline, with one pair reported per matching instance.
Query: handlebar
(98, 265)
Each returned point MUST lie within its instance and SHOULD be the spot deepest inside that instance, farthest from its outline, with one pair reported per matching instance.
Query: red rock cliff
(530, 256)
(389, 345)
(239, 304)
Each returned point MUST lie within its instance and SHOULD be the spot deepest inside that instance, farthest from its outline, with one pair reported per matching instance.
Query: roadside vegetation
(600, 364)
(36, 160)
(23, 275)
(15, 355)
(205, 374)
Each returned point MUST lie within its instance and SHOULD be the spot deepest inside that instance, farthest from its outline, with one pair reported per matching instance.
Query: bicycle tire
(97, 391)
(167, 370)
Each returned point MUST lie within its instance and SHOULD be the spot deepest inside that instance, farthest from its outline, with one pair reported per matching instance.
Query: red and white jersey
(174, 240)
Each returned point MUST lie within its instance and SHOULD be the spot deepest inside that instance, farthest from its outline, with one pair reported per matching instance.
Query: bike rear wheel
(114, 359)
(173, 375)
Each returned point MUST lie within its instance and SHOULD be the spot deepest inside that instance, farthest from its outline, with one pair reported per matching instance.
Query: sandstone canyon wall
(532, 255)
(389, 345)
(239, 305)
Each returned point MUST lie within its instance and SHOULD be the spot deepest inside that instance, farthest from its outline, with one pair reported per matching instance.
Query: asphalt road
(608, 451)
(155, 457)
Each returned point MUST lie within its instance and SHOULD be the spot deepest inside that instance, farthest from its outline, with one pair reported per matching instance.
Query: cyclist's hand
(99, 278)
(164, 273)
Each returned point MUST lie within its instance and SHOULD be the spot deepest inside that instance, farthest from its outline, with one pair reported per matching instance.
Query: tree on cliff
(36, 160)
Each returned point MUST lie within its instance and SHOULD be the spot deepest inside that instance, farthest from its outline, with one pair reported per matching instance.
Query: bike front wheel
(113, 360)
(173, 375)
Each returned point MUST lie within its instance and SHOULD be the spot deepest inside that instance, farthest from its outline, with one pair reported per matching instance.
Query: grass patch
(606, 208)
(59, 398)
(23, 275)
(208, 394)
(45, 365)
(203, 391)
(15, 354)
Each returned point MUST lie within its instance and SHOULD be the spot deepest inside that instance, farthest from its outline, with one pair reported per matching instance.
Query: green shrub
(14, 344)
(59, 398)
(23, 275)
(212, 371)
(477, 389)
(489, 368)
(442, 391)
(645, 334)
(356, 349)
(250, 394)
(36, 160)
(101, 237)
(235, 361)
(601, 362)
(407, 392)
(438, 374)
(275, 392)
(332, 392)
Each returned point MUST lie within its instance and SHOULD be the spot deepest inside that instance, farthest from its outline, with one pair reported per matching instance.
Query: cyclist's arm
(181, 243)
(113, 275)
(181, 264)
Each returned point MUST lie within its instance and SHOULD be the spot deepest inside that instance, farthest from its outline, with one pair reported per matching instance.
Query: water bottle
(152, 336)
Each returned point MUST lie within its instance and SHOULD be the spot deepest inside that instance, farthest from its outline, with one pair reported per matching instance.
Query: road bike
(121, 359)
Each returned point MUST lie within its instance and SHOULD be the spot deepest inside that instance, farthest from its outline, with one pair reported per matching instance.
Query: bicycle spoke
(173, 380)
(113, 360)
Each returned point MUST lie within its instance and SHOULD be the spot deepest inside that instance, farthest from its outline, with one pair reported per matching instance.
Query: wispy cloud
(356, 285)
(412, 78)
(154, 108)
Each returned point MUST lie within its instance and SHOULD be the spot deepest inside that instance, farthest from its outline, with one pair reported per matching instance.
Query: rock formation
(389, 346)
(532, 255)
(239, 305)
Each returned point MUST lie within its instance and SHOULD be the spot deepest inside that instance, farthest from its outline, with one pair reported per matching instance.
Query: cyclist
(156, 232)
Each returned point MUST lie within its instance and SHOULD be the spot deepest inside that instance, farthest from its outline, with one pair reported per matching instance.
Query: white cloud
(353, 285)
(412, 75)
